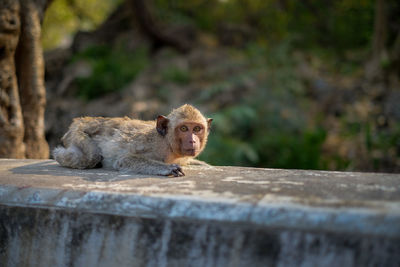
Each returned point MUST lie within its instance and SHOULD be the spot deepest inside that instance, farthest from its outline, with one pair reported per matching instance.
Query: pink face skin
(190, 136)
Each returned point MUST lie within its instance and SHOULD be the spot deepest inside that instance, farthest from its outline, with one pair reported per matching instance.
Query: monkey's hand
(174, 170)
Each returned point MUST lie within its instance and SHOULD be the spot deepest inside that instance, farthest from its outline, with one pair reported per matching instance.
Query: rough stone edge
(273, 215)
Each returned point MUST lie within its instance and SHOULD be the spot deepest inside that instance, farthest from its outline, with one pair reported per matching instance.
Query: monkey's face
(185, 129)
(190, 137)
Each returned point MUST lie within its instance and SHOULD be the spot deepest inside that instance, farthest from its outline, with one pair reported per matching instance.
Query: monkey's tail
(73, 157)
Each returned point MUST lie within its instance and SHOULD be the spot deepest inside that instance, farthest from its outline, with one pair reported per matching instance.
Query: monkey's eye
(197, 129)
(184, 128)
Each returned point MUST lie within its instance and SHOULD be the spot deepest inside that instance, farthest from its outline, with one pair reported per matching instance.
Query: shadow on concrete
(52, 168)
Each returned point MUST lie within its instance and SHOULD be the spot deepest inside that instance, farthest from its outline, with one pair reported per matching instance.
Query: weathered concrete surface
(219, 216)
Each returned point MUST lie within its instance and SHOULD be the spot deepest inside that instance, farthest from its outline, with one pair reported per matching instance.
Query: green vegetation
(339, 25)
(176, 75)
(336, 24)
(65, 17)
(112, 69)
(243, 136)
(269, 125)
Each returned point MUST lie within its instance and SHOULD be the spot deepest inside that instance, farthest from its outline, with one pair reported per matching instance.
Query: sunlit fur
(129, 144)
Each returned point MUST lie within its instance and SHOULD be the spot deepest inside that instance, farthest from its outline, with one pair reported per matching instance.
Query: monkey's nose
(192, 140)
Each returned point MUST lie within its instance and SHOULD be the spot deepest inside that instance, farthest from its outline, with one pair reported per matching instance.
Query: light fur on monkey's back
(93, 126)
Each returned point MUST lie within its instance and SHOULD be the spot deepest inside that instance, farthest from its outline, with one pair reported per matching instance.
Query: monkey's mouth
(189, 152)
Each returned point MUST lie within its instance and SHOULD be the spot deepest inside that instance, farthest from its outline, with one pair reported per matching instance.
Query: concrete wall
(221, 216)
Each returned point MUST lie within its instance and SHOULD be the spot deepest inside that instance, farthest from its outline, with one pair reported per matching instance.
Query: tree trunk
(22, 91)
(153, 30)
(380, 32)
(30, 73)
(132, 15)
(379, 38)
(11, 122)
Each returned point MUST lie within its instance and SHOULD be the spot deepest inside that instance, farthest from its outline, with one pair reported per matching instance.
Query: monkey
(158, 147)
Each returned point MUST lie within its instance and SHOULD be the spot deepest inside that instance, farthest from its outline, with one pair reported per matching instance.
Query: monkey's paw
(174, 170)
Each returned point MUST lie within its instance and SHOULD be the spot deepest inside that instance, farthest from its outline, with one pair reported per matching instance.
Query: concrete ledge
(219, 216)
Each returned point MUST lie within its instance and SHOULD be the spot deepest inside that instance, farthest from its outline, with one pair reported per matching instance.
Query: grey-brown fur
(128, 144)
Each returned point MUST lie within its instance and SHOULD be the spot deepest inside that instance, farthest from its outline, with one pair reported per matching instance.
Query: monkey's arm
(197, 162)
(142, 165)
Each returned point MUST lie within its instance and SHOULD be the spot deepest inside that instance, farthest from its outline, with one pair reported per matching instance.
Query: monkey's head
(185, 129)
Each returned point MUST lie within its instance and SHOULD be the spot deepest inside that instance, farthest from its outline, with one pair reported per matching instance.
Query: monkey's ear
(162, 125)
(209, 120)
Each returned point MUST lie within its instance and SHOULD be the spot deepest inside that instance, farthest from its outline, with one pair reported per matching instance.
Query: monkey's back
(112, 136)
(107, 127)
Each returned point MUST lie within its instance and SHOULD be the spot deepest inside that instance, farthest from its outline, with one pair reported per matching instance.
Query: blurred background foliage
(65, 17)
(286, 81)
(112, 68)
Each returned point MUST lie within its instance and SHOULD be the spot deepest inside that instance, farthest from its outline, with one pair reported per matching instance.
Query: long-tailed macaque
(145, 147)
